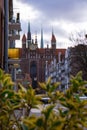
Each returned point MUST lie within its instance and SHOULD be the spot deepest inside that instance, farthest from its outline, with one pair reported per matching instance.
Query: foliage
(78, 38)
(64, 111)
(14, 105)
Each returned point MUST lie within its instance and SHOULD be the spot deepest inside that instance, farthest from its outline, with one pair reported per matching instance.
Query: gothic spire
(29, 34)
(41, 38)
(28, 26)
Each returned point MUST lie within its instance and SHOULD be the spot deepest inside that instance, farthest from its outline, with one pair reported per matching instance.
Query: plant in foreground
(65, 110)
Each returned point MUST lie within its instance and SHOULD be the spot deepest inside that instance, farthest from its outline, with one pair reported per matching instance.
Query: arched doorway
(33, 73)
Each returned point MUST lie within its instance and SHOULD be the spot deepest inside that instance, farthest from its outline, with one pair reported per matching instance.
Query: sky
(64, 17)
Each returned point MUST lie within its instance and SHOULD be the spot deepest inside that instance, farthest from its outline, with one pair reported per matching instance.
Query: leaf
(62, 99)
(77, 98)
(39, 122)
(42, 85)
(22, 88)
(48, 111)
(24, 127)
(56, 84)
(7, 93)
(56, 125)
(30, 121)
(1, 74)
(48, 81)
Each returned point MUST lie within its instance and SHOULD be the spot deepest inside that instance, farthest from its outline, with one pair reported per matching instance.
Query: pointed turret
(24, 38)
(36, 38)
(29, 35)
(24, 41)
(41, 38)
(53, 41)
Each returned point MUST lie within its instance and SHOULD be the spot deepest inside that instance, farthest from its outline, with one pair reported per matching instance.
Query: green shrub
(65, 110)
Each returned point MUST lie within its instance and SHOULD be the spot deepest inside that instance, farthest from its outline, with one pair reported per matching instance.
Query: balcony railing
(14, 26)
(14, 61)
(14, 37)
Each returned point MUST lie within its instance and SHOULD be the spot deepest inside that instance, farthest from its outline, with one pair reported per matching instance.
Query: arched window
(33, 69)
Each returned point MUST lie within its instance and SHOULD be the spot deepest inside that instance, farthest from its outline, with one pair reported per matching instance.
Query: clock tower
(33, 45)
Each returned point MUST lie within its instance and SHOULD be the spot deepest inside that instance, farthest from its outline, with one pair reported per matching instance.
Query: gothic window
(33, 69)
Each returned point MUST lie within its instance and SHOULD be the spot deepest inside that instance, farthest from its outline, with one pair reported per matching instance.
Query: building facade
(75, 60)
(60, 70)
(14, 27)
(9, 32)
(34, 59)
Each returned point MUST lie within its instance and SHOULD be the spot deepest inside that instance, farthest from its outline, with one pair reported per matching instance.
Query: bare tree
(78, 55)
(78, 38)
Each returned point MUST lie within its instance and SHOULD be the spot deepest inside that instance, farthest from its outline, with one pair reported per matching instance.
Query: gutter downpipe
(6, 36)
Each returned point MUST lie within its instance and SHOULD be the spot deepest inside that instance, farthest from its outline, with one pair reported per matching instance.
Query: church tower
(28, 36)
(53, 41)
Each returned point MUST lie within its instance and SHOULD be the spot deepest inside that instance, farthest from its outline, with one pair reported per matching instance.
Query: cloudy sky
(66, 17)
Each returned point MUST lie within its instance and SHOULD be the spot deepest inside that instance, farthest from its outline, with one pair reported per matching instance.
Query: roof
(42, 50)
(24, 38)
(53, 39)
(61, 50)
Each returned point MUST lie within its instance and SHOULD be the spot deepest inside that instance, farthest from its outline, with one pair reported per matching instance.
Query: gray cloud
(74, 11)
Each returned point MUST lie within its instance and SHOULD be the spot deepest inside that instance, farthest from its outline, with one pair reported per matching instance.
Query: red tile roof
(53, 39)
(24, 38)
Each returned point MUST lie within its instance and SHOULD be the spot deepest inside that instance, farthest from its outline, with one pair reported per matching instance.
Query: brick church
(34, 59)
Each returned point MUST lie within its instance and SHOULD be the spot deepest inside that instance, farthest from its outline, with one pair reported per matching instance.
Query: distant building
(34, 59)
(75, 60)
(57, 71)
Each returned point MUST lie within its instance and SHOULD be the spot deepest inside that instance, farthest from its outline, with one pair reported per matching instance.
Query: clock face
(32, 47)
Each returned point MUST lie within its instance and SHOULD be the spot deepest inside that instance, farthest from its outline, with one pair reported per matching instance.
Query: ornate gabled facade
(33, 59)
